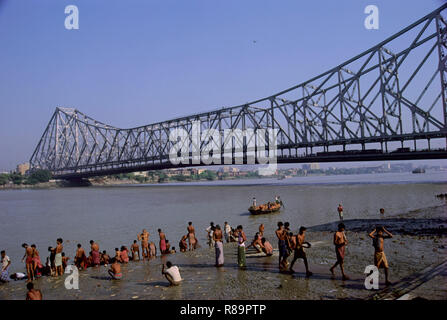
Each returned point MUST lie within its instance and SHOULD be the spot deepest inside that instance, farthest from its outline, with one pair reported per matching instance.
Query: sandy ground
(407, 254)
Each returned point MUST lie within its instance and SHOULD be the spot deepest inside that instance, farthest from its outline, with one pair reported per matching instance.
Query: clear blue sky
(134, 62)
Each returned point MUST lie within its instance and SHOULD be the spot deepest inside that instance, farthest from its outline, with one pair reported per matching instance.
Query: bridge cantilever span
(388, 103)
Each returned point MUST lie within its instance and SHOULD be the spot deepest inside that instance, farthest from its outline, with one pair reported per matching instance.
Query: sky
(135, 62)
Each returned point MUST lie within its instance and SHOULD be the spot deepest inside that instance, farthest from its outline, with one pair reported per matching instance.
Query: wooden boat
(265, 208)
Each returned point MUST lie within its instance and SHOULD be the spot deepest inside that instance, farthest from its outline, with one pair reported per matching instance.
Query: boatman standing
(254, 202)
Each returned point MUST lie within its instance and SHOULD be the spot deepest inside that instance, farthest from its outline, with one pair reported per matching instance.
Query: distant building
(23, 168)
(312, 166)
(141, 173)
(315, 166)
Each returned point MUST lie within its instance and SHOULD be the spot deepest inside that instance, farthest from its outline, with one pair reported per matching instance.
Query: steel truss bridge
(388, 103)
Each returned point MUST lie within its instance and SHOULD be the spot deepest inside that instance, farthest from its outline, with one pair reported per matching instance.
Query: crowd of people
(288, 243)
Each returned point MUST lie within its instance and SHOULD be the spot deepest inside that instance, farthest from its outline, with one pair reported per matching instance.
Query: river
(113, 216)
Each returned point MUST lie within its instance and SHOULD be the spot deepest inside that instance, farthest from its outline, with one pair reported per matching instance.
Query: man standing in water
(299, 251)
(217, 237)
(191, 236)
(241, 247)
(281, 233)
(96, 256)
(80, 257)
(380, 260)
(135, 251)
(144, 238)
(340, 212)
(33, 294)
(340, 243)
(29, 261)
(162, 245)
(58, 257)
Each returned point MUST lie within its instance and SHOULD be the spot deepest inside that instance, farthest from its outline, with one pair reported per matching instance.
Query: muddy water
(112, 216)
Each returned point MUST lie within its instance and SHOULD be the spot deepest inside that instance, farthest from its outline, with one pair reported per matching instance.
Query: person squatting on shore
(172, 274)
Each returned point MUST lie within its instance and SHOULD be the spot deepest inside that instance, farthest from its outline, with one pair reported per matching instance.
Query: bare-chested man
(191, 236)
(261, 230)
(380, 260)
(58, 257)
(340, 243)
(256, 243)
(144, 238)
(218, 244)
(33, 294)
(299, 240)
(29, 263)
(115, 270)
(96, 256)
(105, 258)
(80, 257)
(281, 233)
(135, 250)
(118, 255)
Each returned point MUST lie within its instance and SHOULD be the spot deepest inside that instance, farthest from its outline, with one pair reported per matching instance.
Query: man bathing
(80, 258)
(96, 256)
(299, 251)
(256, 243)
(380, 260)
(340, 243)
(183, 244)
(29, 261)
(144, 238)
(191, 236)
(33, 294)
(135, 250)
(267, 247)
(115, 270)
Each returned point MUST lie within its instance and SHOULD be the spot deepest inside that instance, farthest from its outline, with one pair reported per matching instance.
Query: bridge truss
(390, 102)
